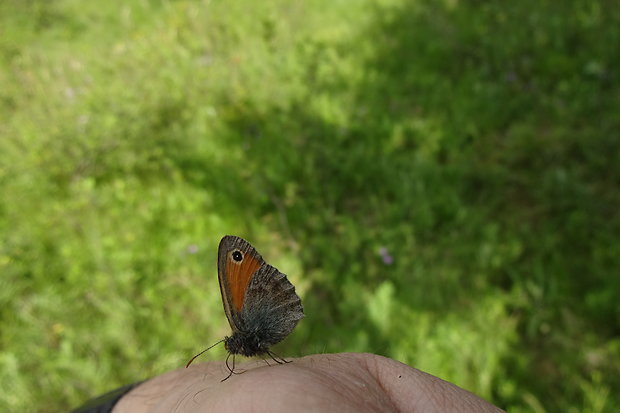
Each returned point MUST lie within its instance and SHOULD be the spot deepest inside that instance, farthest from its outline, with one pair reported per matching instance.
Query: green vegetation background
(476, 143)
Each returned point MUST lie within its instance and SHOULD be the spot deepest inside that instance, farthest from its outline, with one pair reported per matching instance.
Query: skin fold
(344, 382)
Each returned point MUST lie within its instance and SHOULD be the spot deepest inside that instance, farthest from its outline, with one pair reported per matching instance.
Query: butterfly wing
(236, 264)
(272, 308)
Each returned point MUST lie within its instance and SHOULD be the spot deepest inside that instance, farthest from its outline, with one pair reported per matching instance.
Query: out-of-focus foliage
(440, 179)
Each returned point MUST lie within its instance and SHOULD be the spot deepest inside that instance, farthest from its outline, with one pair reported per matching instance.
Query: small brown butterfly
(260, 303)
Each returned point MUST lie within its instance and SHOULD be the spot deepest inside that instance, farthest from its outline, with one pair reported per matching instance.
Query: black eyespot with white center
(237, 256)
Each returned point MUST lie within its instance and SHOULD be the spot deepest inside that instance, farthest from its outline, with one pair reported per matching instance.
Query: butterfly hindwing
(271, 305)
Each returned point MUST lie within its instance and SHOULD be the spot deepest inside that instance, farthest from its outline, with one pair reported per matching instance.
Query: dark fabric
(106, 402)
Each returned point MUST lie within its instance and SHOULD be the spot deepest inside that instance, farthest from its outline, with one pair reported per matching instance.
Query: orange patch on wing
(239, 276)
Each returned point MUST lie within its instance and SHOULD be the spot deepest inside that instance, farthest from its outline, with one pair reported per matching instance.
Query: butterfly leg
(277, 358)
(233, 370)
(229, 369)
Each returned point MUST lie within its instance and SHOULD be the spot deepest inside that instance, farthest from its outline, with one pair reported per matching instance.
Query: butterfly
(260, 303)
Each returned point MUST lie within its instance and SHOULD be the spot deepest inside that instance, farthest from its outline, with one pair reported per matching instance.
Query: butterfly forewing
(237, 263)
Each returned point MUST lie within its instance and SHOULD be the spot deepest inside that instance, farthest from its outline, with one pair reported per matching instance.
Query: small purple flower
(192, 249)
(510, 77)
(385, 256)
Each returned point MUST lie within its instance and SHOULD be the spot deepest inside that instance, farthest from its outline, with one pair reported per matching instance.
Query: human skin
(344, 382)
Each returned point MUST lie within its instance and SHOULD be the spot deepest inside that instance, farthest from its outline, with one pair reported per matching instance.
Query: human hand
(343, 382)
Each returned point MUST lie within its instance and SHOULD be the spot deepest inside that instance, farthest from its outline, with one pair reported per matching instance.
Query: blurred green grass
(475, 143)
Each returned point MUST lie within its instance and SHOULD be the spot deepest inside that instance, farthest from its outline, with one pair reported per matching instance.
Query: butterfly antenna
(203, 351)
